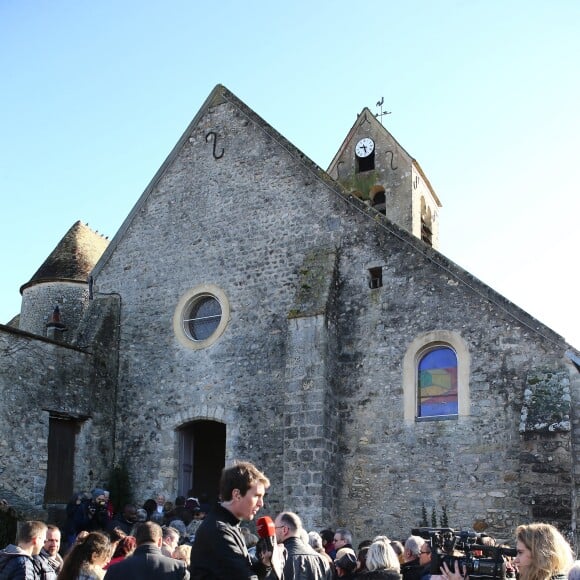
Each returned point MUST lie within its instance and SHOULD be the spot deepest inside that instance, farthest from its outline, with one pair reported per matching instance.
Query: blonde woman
(382, 561)
(542, 554)
(183, 553)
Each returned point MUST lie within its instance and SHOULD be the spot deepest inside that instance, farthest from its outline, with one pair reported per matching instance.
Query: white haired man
(415, 556)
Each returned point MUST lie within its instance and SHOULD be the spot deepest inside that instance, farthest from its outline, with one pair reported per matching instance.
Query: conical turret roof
(73, 258)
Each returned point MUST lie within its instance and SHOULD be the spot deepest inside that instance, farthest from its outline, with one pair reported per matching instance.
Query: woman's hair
(94, 546)
(381, 556)
(315, 541)
(125, 547)
(362, 558)
(399, 550)
(550, 552)
(183, 552)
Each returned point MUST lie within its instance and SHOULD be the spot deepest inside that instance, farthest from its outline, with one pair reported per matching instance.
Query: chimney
(54, 327)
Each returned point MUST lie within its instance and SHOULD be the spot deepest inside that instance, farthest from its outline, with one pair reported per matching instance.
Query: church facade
(253, 306)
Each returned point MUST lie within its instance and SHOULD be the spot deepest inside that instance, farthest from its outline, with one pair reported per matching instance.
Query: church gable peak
(224, 139)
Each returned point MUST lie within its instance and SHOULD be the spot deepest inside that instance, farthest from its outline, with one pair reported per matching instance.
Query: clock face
(364, 147)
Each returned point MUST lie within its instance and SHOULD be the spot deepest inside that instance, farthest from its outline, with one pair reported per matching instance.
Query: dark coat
(303, 563)
(15, 564)
(383, 574)
(147, 563)
(219, 551)
(120, 522)
(412, 570)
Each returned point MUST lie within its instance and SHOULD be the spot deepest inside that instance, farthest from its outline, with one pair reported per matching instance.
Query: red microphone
(267, 530)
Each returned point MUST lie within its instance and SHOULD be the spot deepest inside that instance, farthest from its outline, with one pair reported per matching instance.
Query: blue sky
(484, 94)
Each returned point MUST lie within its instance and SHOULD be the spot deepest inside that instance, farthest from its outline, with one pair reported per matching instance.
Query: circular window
(204, 317)
(201, 316)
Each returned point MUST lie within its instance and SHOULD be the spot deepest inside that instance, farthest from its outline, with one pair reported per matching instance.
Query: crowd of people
(186, 539)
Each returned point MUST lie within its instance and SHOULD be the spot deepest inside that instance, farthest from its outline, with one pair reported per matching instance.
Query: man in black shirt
(219, 550)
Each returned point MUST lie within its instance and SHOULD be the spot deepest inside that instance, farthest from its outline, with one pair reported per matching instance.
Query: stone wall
(40, 300)
(238, 226)
(308, 374)
(41, 379)
(38, 376)
(247, 221)
(472, 465)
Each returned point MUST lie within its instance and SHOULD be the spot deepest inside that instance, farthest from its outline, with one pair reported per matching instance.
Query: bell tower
(374, 167)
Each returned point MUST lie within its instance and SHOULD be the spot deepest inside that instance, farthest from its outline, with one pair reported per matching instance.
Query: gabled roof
(366, 114)
(218, 96)
(73, 258)
(371, 118)
(221, 95)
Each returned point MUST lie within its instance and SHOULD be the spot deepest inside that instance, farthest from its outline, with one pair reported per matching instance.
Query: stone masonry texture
(308, 374)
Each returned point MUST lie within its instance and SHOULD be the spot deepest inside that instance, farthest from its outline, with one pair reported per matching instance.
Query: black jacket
(383, 574)
(412, 570)
(219, 550)
(303, 563)
(147, 563)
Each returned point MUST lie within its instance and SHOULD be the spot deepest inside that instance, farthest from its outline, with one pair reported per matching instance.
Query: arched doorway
(202, 455)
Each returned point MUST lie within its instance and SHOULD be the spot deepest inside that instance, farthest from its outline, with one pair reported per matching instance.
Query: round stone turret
(61, 282)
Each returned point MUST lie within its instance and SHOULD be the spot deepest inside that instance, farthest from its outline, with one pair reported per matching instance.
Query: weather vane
(381, 111)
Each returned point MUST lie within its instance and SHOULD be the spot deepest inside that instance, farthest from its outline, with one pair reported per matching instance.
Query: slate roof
(73, 258)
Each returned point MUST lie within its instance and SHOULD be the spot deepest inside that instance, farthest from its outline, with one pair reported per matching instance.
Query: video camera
(465, 548)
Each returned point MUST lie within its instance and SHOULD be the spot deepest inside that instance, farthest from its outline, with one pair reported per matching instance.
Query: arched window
(437, 383)
(436, 371)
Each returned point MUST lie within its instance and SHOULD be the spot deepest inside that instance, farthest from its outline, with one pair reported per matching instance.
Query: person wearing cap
(91, 514)
(302, 562)
(345, 564)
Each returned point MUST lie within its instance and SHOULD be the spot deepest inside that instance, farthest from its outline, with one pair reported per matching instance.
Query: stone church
(254, 306)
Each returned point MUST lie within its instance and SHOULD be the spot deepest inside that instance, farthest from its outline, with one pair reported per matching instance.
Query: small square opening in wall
(375, 277)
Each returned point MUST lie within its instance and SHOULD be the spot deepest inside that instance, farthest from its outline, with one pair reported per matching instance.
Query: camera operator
(542, 554)
(92, 514)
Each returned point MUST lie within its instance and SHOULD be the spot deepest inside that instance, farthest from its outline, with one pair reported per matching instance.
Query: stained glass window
(437, 378)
